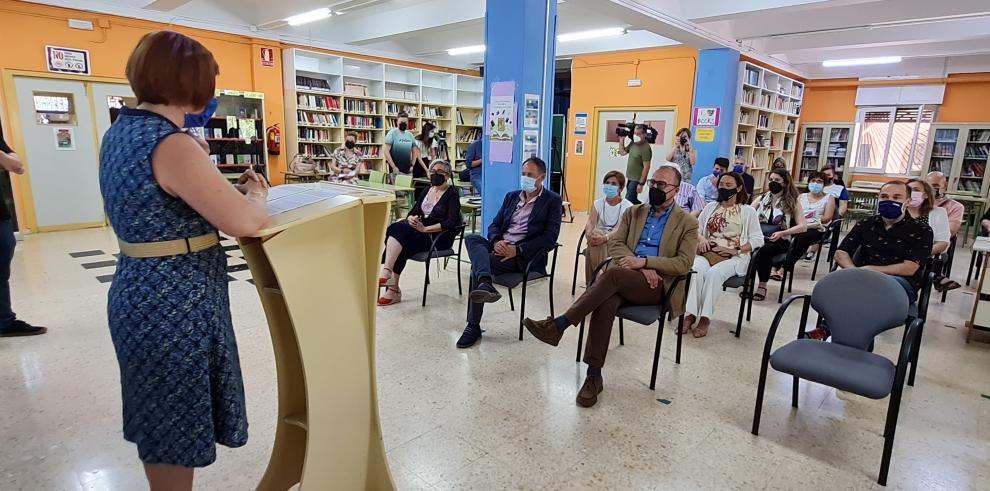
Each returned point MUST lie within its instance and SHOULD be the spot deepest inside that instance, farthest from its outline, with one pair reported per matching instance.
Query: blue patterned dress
(170, 316)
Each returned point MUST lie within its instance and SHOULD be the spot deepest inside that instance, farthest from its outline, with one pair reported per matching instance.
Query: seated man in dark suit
(525, 227)
(653, 243)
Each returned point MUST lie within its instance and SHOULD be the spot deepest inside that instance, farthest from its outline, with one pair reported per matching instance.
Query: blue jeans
(476, 183)
(631, 193)
(484, 265)
(7, 243)
(908, 288)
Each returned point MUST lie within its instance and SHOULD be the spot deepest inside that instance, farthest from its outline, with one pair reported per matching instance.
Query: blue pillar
(715, 85)
(520, 42)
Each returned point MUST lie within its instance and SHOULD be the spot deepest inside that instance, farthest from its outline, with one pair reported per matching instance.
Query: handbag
(713, 258)
(769, 229)
(302, 164)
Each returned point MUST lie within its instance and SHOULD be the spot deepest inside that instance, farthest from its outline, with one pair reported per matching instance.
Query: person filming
(638, 165)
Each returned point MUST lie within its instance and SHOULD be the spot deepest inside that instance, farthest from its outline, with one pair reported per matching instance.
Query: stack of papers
(291, 196)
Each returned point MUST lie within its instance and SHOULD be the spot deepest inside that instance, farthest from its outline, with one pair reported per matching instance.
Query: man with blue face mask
(708, 185)
(890, 242)
(525, 227)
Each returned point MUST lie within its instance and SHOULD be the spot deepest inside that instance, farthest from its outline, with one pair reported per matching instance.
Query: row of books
(354, 88)
(312, 83)
(319, 102)
(324, 119)
(976, 152)
(394, 108)
(236, 159)
(469, 135)
(352, 121)
(315, 134)
(979, 136)
(943, 150)
(973, 169)
(837, 150)
(469, 120)
(364, 137)
(370, 107)
(432, 112)
(314, 150)
(763, 121)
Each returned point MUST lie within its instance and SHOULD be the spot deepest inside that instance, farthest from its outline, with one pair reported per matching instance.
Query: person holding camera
(683, 154)
(638, 165)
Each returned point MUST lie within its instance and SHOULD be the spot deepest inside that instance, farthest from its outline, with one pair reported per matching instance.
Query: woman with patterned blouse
(347, 160)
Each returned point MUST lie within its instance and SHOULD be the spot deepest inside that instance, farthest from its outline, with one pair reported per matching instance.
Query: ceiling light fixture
(307, 17)
(466, 50)
(879, 60)
(592, 34)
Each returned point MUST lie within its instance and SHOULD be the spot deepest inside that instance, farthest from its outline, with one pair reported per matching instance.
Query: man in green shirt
(398, 146)
(638, 166)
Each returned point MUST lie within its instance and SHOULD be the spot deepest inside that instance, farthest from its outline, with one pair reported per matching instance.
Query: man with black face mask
(890, 242)
(652, 244)
(398, 147)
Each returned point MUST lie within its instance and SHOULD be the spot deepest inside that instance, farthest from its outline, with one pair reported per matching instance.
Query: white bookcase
(328, 95)
(768, 111)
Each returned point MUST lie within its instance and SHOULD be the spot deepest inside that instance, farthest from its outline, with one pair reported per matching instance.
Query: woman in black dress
(437, 210)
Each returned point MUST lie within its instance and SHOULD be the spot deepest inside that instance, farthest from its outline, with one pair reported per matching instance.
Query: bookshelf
(236, 132)
(768, 111)
(331, 95)
(823, 144)
(962, 152)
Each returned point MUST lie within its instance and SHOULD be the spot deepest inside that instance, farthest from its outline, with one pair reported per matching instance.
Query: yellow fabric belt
(167, 248)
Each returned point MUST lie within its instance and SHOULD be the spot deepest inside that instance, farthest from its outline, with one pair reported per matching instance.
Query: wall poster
(501, 121)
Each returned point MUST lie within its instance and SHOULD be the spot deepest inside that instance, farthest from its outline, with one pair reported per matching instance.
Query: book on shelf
(749, 97)
(836, 150)
(311, 83)
(353, 121)
(394, 123)
(469, 135)
(314, 150)
(323, 119)
(476, 120)
(979, 136)
(946, 135)
(315, 134)
(363, 137)
(976, 152)
(810, 148)
(324, 102)
(361, 106)
(393, 108)
(355, 89)
(752, 77)
(742, 137)
(813, 133)
(432, 112)
(370, 150)
(839, 134)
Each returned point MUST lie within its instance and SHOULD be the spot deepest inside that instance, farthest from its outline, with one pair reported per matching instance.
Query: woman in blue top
(168, 307)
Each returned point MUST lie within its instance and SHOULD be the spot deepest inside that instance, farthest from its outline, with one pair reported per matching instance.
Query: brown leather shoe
(588, 395)
(544, 330)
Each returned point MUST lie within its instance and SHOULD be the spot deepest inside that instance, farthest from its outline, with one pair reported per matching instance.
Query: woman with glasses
(729, 231)
(780, 214)
(437, 210)
(604, 216)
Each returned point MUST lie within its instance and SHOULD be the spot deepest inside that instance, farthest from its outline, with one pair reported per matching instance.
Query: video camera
(626, 130)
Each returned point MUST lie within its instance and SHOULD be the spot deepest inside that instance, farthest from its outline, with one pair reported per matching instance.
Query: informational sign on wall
(581, 123)
(267, 57)
(706, 116)
(578, 147)
(531, 143)
(501, 124)
(67, 60)
(65, 138)
(704, 134)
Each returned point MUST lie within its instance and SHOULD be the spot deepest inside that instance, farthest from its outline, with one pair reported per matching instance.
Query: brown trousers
(614, 288)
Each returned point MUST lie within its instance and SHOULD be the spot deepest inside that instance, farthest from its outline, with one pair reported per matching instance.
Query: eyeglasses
(657, 184)
(441, 172)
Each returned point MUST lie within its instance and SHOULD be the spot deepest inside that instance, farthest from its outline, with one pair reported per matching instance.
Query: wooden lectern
(315, 269)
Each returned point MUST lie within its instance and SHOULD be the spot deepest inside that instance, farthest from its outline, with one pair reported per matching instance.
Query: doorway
(62, 122)
(606, 153)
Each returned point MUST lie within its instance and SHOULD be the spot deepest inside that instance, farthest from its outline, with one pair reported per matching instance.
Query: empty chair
(858, 305)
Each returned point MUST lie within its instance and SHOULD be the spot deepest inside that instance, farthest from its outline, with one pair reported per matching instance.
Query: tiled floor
(502, 415)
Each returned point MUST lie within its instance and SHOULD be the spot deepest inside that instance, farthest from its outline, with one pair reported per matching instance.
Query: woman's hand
(597, 239)
(703, 246)
(247, 177)
(776, 236)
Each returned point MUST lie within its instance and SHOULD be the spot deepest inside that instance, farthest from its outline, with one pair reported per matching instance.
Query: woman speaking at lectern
(168, 307)
(438, 210)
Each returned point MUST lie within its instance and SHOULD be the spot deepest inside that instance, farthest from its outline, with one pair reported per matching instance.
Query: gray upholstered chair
(645, 315)
(858, 305)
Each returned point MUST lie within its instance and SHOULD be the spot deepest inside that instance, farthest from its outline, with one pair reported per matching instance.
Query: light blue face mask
(815, 187)
(527, 183)
(610, 190)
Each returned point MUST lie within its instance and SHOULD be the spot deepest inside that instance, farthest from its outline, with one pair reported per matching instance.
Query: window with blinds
(892, 140)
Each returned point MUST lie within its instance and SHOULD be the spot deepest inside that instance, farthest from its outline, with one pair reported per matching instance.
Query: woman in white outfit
(604, 216)
(730, 231)
(923, 209)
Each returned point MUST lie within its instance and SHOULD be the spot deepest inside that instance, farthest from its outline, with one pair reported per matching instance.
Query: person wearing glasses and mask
(437, 210)
(398, 148)
(728, 232)
(781, 217)
(653, 244)
(525, 227)
(602, 219)
(347, 160)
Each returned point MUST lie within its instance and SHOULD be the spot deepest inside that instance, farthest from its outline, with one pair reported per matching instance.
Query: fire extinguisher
(274, 139)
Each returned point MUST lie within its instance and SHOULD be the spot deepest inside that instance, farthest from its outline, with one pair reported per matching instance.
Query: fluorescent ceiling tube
(466, 50)
(311, 16)
(880, 60)
(592, 34)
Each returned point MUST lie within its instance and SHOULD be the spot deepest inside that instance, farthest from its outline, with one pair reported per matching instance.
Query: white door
(607, 156)
(60, 148)
(108, 99)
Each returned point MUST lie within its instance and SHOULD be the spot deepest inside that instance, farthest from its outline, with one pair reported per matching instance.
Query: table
(980, 318)
(292, 177)
(473, 205)
(391, 187)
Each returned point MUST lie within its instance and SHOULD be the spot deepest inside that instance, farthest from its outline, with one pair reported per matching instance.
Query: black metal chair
(748, 284)
(512, 280)
(781, 260)
(860, 304)
(578, 254)
(946, 264)
(831, 236)
(975, 260)
(645, 315)
(434, 253)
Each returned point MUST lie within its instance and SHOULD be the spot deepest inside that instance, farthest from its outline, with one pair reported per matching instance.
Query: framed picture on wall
(579, 147)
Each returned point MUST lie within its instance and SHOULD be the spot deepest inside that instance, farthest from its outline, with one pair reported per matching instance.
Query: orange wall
(599, 81)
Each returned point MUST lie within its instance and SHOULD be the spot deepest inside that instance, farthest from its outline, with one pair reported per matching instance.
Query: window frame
(892, 120)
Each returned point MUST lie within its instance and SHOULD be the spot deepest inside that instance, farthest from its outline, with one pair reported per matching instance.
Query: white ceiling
(934, 37)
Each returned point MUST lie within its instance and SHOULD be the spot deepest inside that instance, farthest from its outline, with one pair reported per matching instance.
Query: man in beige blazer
(653, 244)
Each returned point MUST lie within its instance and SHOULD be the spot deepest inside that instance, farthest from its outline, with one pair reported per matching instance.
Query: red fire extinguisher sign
(267, 57)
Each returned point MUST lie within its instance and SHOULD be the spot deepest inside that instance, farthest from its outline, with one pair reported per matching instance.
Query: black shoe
(471, 335)
(544, 330)
(485, 293)
(21, 328)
